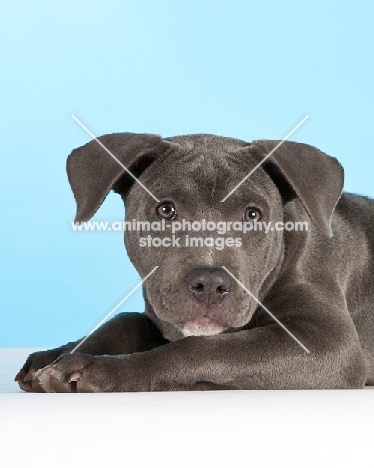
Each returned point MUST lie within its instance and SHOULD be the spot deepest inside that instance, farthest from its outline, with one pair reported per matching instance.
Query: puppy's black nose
(209, 285)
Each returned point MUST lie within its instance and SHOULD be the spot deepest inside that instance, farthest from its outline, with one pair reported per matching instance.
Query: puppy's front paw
(26, 376)
(75, 373)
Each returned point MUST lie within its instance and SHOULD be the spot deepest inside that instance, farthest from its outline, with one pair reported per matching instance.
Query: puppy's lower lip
(205, 321)
(203, 326)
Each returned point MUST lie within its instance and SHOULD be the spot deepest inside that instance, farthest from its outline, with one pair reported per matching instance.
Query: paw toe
(75, 376)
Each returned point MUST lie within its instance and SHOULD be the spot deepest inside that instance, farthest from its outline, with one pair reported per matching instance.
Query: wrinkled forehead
(206, 168)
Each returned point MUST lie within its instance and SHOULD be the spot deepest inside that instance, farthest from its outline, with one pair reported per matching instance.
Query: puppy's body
(344, 263)
(201, 328)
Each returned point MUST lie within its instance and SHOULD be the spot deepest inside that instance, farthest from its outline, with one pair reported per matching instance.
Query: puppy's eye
(252, 214)
(166, 210)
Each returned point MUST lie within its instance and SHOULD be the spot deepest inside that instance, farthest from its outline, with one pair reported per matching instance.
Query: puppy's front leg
(261, 358)
(126, 333)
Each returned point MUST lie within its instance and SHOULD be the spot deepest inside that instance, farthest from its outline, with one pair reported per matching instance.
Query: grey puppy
(201, 329)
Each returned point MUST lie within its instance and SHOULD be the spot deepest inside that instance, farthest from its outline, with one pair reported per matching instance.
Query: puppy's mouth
(202, 326)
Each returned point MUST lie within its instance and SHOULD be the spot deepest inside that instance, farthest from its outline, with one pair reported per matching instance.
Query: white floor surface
(333, 428)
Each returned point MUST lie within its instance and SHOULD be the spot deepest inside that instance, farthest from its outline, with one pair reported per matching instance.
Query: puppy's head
(210, 244)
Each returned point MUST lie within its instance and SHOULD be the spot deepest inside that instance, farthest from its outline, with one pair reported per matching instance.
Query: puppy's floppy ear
(92, 172)
(314, 177)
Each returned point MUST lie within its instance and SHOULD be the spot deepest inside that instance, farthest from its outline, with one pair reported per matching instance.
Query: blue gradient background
(235, 68)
